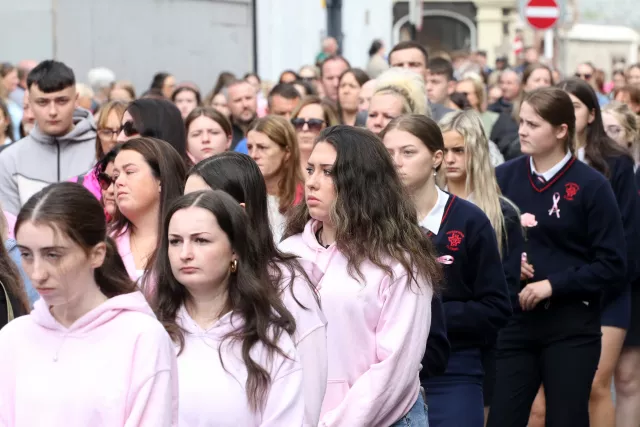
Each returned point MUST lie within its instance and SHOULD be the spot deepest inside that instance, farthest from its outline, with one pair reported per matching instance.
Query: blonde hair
(481, 177)
(406, 84)
(479, 88)
(630, 121)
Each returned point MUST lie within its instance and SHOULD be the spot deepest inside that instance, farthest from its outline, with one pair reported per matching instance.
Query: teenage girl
(475, 297)
(575, 242)
(469, 174)
(378, 269)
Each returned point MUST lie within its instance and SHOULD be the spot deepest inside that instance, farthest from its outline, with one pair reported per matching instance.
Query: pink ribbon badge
(555, 209)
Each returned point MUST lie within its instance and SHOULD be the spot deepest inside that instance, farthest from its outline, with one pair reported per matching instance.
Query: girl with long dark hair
(237, 362)
(379, 269)
(239, 176)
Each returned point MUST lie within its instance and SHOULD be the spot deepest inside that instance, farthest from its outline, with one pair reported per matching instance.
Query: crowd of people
(429, 242)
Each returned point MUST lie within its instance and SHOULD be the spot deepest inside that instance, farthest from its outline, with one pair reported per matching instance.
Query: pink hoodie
(215, 395)
(11, 223)
(90, 182)
(376, 336)
(115, 366)
(310, 339)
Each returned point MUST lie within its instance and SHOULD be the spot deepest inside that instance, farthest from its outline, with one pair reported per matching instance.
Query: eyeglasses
(314, 125)
(107, 134)
(586, 76)
(129, 129)
(105, 180)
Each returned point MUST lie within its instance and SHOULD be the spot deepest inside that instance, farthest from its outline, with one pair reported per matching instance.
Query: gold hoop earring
(234, 266)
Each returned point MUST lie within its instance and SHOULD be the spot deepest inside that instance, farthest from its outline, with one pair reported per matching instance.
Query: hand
(533, 293)
(526, 269)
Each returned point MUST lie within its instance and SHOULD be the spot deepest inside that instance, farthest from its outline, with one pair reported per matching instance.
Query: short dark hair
(482, 53)
(333, 58)
(441, 67)
(285, 90)
(51, 76)
(410, 44)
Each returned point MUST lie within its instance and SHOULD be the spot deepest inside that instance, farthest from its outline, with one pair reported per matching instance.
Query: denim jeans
(416, 417)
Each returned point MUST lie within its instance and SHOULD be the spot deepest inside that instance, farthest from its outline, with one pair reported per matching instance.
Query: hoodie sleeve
(9, 196)
(388, 390)
(285, 403)
(153, 397)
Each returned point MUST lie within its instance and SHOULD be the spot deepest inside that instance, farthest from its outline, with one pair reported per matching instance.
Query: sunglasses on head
(314, 125)
(105, 180)
(129, 129)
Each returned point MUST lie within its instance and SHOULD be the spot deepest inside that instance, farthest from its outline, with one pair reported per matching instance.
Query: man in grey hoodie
(62, 144)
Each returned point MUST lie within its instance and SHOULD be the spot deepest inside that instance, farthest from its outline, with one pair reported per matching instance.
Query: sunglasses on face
(583, 76)
(129, 129)
(105, 180)
(314, 125)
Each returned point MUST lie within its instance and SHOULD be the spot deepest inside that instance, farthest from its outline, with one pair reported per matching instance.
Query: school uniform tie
(539, 180)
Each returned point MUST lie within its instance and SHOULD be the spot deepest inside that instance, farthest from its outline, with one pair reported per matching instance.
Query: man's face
(510, 85)
(439, 88)
(331, 71)
(585, 72)
(281, 106)
(242, 102)
(412, 59)
(53, 111)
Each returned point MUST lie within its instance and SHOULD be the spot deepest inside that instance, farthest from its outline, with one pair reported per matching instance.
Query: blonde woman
(467, 172)
(621, 125)
(473, 86)
(398, 91)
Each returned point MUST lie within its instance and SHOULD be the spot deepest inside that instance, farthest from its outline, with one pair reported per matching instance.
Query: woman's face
(168, 86)
(269, 156)
(200, 252)
(128, 128)
(119, 94)
(10, 81)
(108, 195)
(28, 119)
(348, 93)
(614, 129)
(455, 156)
(206, 138)
(494, 94)
(109, 133)
(383, 108)
(59, 269)
(619, 81)
(583, 115)
(320, 192)
(537, 79)
(634, 76)
(625, 98)
(467, 87)
(186, 101)
(137, 189)
(219, 102)
(288, 78)
(413, 160)
(308, 133)
(537, 136)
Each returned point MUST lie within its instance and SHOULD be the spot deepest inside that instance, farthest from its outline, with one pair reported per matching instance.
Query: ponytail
(112, 277)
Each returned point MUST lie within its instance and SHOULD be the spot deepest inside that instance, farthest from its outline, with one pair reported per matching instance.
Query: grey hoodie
(37, 160)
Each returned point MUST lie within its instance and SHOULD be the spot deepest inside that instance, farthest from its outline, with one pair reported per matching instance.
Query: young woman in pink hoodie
(239, 176)
(361, 231)
(238, 365)
(91, 352)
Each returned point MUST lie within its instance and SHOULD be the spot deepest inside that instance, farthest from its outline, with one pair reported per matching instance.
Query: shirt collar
(548, 175)
(434, 218)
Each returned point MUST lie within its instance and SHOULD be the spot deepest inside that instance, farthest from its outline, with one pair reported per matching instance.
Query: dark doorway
(441, 33)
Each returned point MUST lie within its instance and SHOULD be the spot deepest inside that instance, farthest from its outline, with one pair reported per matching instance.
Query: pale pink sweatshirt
(310, 339)
(376, 336)
(115, 366)
(214, 395)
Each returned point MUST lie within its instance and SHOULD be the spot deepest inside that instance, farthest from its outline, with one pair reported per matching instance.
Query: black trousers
(556, 345)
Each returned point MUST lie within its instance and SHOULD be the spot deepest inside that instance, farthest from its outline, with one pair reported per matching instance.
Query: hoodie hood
(97, 317)
(84, 129)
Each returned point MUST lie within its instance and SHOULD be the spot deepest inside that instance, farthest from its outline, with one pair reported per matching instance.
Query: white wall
(359, 31)
(26, 30)
(290, 33)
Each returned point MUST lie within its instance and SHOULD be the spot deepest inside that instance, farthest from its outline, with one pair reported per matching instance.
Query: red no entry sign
(542, 14)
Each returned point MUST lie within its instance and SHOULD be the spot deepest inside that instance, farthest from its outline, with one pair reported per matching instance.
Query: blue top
(578, 242)
(14, 253)
(475, 296)
(242, 147)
